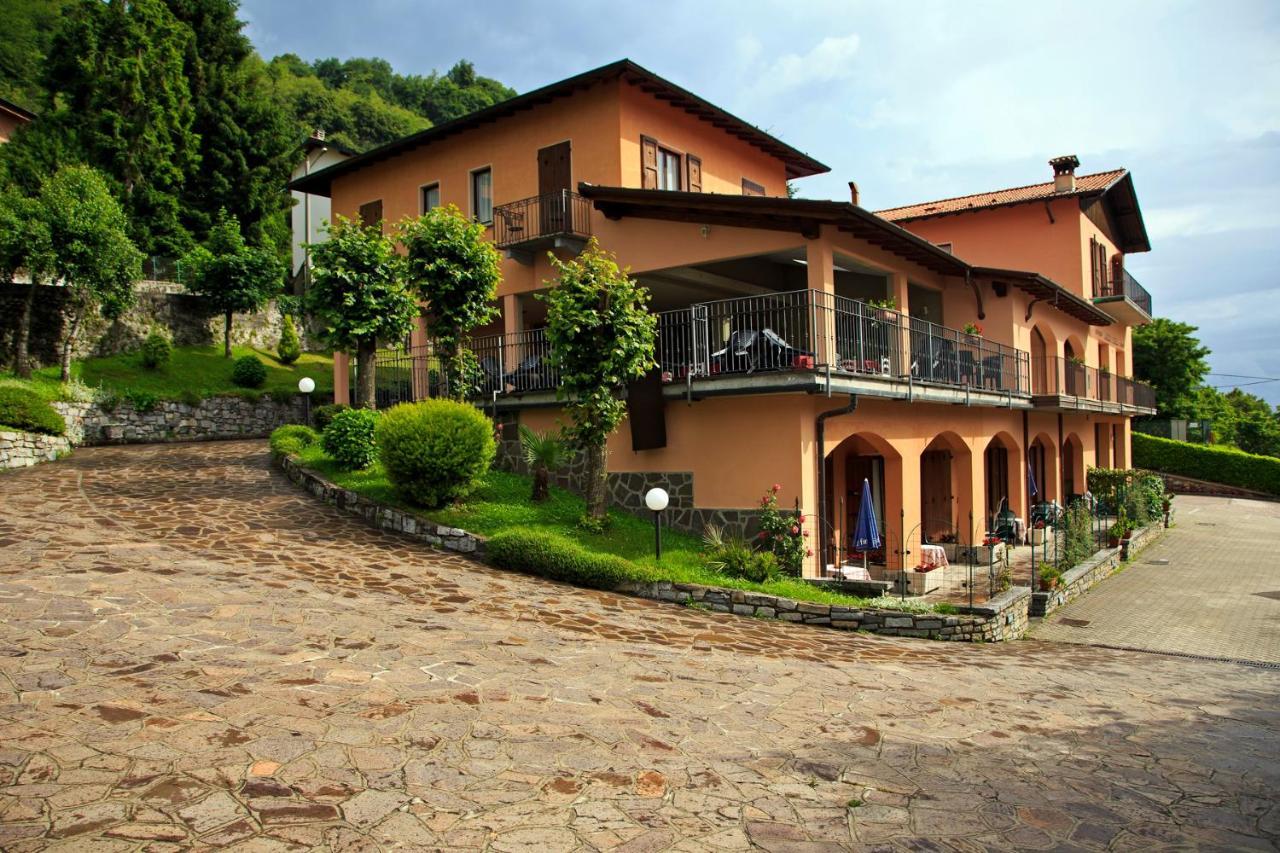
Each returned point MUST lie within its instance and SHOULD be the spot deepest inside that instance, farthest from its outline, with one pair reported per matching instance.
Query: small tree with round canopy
(231, 275)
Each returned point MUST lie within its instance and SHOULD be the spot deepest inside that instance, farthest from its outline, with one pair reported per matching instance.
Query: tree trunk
(541, 483)
(21, 365)
(226, 336)
(68, 344)
(366, 387)
(597, 495)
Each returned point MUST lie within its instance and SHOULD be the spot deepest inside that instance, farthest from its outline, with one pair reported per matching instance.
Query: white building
(311, 212)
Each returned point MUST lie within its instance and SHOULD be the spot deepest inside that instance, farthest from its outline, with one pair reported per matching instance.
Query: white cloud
(829, 60)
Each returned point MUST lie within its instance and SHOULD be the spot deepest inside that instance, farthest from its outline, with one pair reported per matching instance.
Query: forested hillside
(170, 101)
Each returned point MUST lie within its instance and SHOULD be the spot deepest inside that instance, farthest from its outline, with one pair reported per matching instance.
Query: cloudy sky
(926, 100)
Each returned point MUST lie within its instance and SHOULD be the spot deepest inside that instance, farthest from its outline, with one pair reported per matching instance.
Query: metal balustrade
(1125, 285)
(952, 357)
(1054, 376)
(539, 217)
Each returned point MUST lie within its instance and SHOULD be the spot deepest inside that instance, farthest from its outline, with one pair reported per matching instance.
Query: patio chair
(530, 375)
(1006, 527)
(512, 221)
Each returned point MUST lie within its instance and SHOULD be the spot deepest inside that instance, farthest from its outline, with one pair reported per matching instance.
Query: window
(482, 195)
(668, 169)
(751, 188)
(371, 214)
(430, 197)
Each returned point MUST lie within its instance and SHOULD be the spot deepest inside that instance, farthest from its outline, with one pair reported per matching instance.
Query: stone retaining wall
(1002, 618)
(1187, 486)
(20, 449)
(1079, 579)
(214, 418)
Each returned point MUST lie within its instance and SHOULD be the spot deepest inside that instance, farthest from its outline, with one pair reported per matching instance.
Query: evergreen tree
(116, 77)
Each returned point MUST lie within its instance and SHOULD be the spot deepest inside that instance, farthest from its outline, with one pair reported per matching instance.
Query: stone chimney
(853, 192)
(1064, 173)
(317, 135)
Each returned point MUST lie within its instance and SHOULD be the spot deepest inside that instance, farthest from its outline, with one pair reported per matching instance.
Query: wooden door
(935, 494)
(554, 178)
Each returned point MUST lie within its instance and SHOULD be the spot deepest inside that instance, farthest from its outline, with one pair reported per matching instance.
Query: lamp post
(656, 500)
(306, 385)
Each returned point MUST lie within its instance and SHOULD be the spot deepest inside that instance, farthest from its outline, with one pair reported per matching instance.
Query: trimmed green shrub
(249, 372)
(26, 410)
(436, 451)
(323, 415)
(156, 350)
(289, 349)
(292, 439)
(349, 438)
(1224, 465)
(553, 556)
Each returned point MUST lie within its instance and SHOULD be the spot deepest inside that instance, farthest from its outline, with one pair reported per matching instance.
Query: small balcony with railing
(560, 220)
(1068, 384)
(1123, 299)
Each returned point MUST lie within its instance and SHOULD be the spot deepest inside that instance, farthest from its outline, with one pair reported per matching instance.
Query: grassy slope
(202, 371)
(503, 502)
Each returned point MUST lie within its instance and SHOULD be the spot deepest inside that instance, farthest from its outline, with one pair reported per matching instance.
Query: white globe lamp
(656, 499)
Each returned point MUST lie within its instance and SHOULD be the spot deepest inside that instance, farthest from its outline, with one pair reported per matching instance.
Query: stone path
(193, 654)
(1210, 586)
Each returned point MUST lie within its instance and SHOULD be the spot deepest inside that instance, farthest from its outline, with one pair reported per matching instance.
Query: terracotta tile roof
(1085, 184)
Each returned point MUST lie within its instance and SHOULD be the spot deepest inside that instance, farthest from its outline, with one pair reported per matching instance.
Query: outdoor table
(933, 557)
(854, 573)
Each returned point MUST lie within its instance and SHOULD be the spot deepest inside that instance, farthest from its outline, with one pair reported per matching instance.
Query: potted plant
(1118, 530)
(885, 309)
(973, 330)
(1049, 579)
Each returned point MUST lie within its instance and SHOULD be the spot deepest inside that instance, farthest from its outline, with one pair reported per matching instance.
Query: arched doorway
(1073, 370)
(1039, 362)
(946, 489)
(1073, 483)
(1002, 477)
(1042, 469)
(863, 456)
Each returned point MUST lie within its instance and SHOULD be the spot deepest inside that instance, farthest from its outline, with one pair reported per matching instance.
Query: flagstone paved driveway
(194, 654)
(1209, 586)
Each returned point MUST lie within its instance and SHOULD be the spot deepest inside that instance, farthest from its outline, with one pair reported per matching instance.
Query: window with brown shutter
(751, 188)
(1102, 267)
(1117, 272)
(371, 214)
(1093, 260)
(693, 166)
(648, 163)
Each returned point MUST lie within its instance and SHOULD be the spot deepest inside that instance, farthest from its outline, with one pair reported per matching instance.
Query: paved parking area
(193, 654)
(1209, 586)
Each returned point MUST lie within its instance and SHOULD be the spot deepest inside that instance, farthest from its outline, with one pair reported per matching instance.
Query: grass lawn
(503, 502)
(192, 372)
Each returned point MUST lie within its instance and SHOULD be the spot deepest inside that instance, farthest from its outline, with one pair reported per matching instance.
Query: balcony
(557, 220)
(1124, 300)
(1061, 383)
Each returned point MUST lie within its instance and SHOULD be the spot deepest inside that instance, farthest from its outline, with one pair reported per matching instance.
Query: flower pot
(1113, 541)
(1048, 584)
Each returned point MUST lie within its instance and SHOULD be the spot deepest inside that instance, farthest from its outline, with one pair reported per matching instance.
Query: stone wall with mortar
(20, 449)
(627, 489)
(1002, 618)
(214, 418)
(1079, 579)
(187, 319)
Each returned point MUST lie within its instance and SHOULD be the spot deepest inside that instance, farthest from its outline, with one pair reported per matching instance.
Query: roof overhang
(797, 163)
(802, 216)
(16, 111)
(1121, 200)
(1048, 291)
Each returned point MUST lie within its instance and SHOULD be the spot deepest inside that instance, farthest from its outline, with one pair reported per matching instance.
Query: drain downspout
(820, 428)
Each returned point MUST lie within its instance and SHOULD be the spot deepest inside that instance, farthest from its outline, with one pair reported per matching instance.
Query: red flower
(761, 535)
(795, 531)
(808, 552)
(800, 519)
(806, 534)
(777, 487)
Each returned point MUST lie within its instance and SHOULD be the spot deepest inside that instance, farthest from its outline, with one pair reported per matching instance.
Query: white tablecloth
(933, 557)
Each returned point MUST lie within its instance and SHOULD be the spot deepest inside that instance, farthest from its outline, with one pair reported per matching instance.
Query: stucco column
(512, 326)
(898, 292)
(821, 277)
(341, 378)
(902, 521)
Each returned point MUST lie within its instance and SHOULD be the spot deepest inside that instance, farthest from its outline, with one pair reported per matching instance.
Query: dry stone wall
(20, 449)
(214, 418)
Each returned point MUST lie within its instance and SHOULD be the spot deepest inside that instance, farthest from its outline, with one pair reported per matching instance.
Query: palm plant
(544, 453)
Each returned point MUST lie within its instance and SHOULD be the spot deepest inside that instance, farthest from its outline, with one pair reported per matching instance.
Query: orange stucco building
(12, 117)
(809, 343)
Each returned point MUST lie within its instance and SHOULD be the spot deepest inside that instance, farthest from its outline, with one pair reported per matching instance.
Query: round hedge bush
(292, 439)
(348, 439)
(436, 451)
(156, 351)
(249, 372)
(26, 410)
(323, 415)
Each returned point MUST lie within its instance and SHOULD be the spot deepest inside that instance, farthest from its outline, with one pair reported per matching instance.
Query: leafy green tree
(28, 30)
(1169, 356)
(25, 245)
(359, 296)
(116, 74)
(601, 336)
(91, 253)
(230, 274)
(456, 271)
(248, 143)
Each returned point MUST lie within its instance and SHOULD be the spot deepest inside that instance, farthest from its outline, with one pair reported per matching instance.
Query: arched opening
(869, 457)
(1040, 364)
(1074, 379)
(1102, 445)
(1042, 467)
(946, 489)
(1073, 482)
(1001, 464)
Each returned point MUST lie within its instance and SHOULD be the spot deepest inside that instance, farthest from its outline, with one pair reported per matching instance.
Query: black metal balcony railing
(1127, 286)
(1053, 376)
(541, 217)
(952, 357)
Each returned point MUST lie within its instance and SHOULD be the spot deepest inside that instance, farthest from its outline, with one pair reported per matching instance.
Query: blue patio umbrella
(866, 534)
(1031, 480)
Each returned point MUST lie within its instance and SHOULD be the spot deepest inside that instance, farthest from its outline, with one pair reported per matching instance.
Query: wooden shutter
(693, 165)
(1093, 259)
(648, 163)
(371, 214)
(751, 188)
